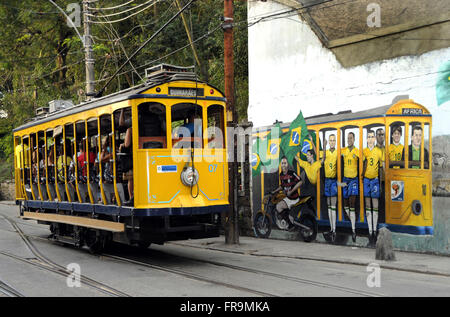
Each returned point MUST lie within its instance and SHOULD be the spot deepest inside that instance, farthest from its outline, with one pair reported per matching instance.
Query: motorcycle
(301, 217)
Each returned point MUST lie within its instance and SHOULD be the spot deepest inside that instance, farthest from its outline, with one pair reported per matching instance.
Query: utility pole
(232, 228)
(89, 58)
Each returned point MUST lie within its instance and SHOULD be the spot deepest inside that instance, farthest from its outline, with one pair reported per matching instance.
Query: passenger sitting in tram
(396, 148)
(414, 149)
(82, 160)
(65, 163)
(105, 158)
(194, 124)
(126, 147)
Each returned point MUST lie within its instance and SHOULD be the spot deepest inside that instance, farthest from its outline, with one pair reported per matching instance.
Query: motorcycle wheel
(262, 225)
(311, 223)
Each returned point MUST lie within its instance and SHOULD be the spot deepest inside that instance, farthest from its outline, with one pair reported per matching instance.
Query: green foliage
(42, 59)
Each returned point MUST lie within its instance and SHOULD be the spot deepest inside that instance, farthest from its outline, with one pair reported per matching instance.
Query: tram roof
(347, 115)
(126, 94)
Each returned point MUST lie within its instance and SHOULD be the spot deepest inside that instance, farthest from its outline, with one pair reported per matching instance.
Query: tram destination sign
(185, 92)
(412, 111)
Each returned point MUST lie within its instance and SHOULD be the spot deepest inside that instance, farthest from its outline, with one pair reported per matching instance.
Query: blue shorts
(352, 188)
(371, 187)
(330, 187)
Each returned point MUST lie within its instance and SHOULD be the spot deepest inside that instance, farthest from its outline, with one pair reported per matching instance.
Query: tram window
(396, 145)
(414, 150)
(26, 159)
(105, 156)
(20, 153)
(41, 156)
(215, 127)
(186, 125)
(33, 148)
(50, 156)
(152, 125)
(426, 145)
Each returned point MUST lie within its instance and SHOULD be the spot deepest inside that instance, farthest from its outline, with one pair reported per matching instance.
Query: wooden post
(232, 230)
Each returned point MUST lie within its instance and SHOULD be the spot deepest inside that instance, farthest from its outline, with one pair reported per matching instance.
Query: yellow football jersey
(311, 170)
(374, 158)
(330, 164)
(350, 162)
(395, 152)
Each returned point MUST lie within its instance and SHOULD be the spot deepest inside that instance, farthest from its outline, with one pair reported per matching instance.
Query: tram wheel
(143, 245)
(94, 242)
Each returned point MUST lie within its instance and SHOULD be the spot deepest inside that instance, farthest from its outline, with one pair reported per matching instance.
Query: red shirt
(82, 160)
(288, 181)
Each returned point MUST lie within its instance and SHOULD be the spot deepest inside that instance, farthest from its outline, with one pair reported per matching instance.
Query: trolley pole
(89, 58)
(232, 228)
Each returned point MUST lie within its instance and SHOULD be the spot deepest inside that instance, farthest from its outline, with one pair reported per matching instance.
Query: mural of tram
(403, 132)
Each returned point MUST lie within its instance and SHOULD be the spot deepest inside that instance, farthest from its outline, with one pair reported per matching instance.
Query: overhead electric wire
(100, 92)
(137, 26)
(127, 17)
(113, 30)
(122, 12)
(111, 8)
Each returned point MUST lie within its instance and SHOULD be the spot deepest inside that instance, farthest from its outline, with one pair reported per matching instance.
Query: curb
(396, 267)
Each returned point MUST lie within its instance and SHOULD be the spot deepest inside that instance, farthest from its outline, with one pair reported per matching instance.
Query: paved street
(208, 268)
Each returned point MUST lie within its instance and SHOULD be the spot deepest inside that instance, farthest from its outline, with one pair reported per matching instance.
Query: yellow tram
(144, 165)
(405, 201)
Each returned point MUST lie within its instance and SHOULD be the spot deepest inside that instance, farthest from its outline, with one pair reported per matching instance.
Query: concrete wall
(7, 191)
(290, 70)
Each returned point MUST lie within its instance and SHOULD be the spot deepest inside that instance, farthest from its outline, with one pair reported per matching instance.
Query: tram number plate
(185, 92)
(411, 111)
(167, 169)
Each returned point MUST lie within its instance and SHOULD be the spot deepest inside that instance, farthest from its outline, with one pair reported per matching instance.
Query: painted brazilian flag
(255, 160)
(443, 84)
(270, 158)
(296, 139)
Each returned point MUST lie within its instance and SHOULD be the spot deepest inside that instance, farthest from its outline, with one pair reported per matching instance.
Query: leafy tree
(42, 58)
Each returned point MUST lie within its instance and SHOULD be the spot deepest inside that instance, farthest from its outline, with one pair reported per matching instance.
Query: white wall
(290, 70)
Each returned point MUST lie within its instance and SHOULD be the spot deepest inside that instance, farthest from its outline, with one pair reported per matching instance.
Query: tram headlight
(416, 207)
(189, 176)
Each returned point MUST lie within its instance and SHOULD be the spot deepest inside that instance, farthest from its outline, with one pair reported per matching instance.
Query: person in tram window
(414, 149)
(105, 157)
(83, 160)
(396, 148)
(373, 161)
(126, 147)
(350, 156)
(194, 124)
(329, 162)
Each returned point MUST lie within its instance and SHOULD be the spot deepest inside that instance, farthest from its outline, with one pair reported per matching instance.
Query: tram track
(45, 263)
(299, 280)
(189, 275)
(9, 290)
